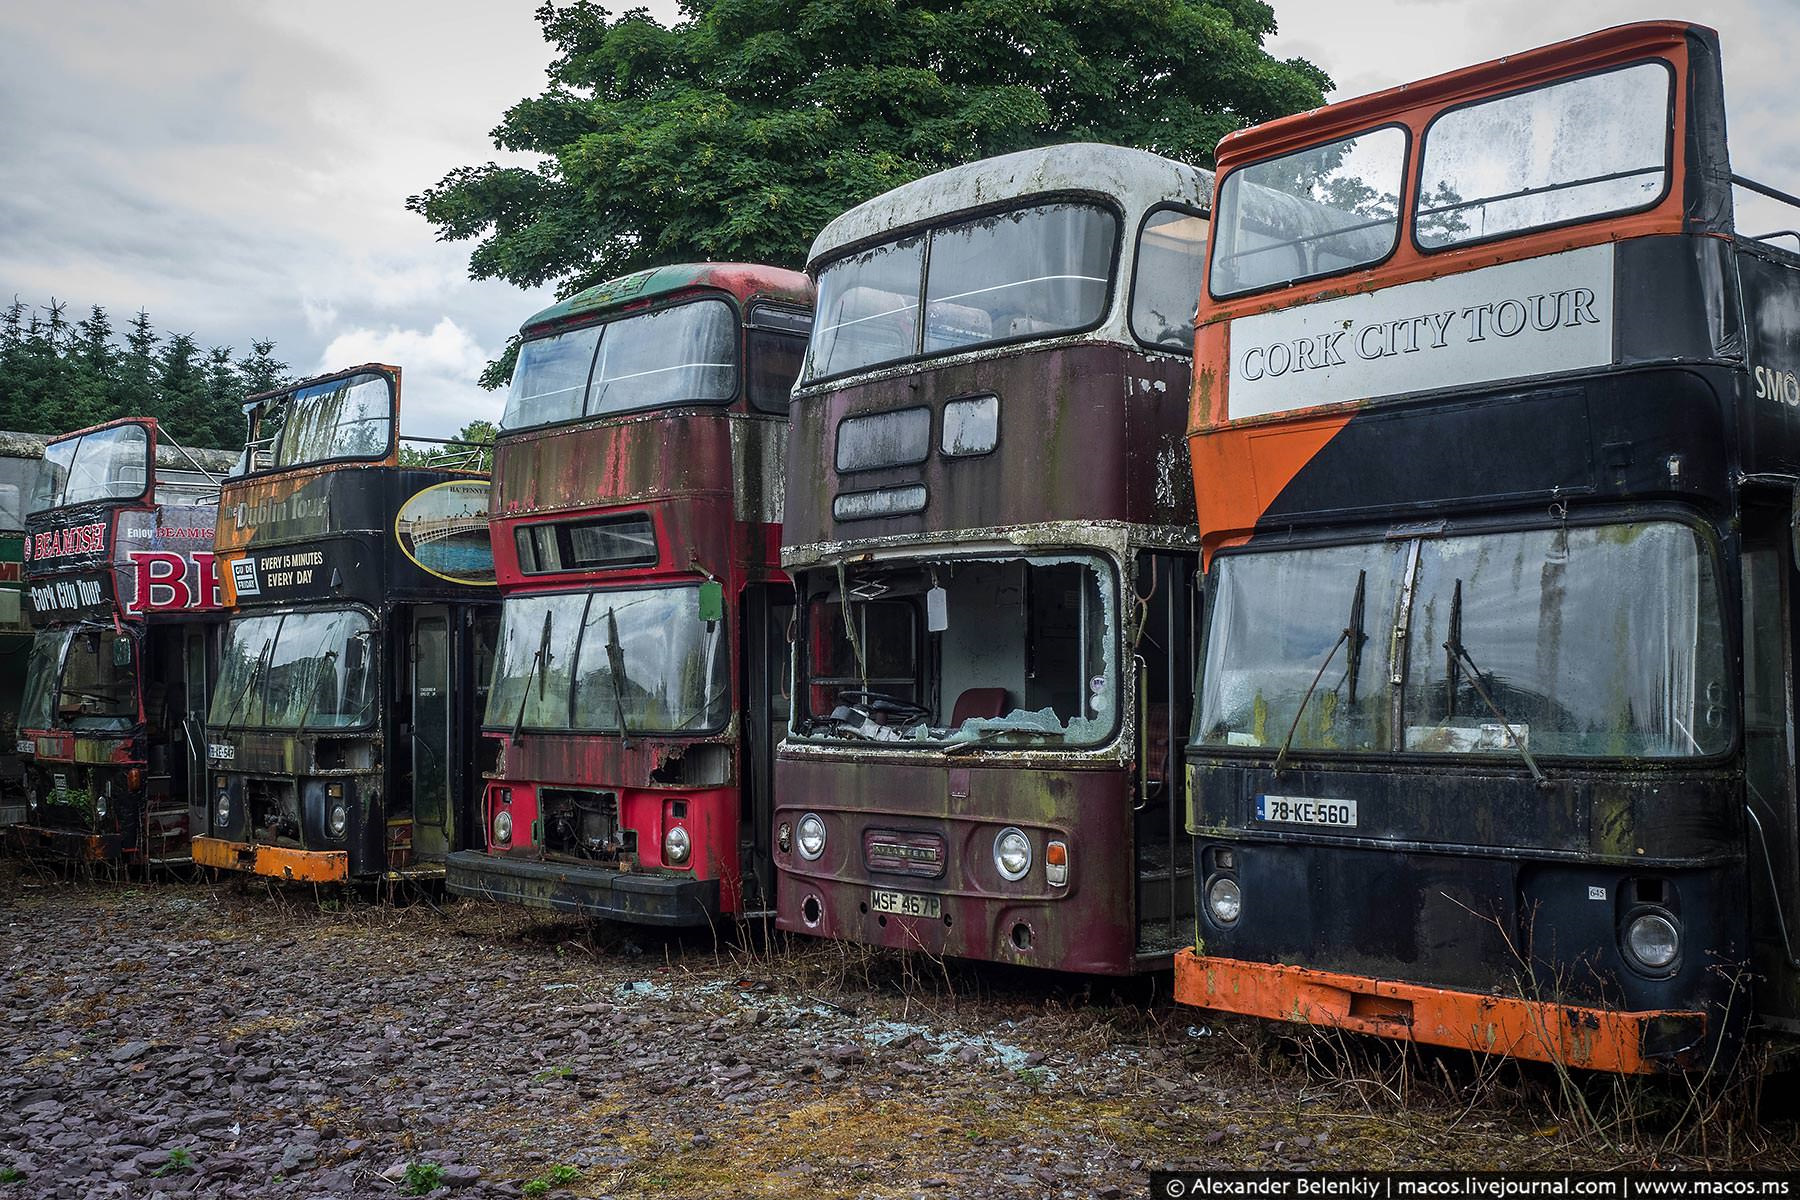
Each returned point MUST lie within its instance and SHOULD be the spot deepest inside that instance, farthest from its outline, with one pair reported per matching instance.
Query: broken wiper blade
(1457, 651)
(256, 673)
(537, 668)
(1353, 635)
(615, 664)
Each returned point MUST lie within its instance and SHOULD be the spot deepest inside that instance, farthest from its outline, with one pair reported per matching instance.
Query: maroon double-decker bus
(636, 521)
(988, 530)
(124, 596)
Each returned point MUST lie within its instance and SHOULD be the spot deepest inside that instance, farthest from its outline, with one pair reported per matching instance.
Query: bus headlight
(1224, 900)
(1653, 940)
(1012, 853)
(810, 836)
(676, 845)
(223, 817)
(502, 827)
(103, 802)
(337, 819)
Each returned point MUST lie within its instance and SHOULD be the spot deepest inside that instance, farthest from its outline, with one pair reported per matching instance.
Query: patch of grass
(421, 1178)
(549, 1073)
(11, 1175)
(179, 1160)
(560, 1175)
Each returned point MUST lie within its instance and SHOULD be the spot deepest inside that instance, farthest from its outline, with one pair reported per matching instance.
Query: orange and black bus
(341, 736)
(989, 526)
(638, 686)
(1496, 440)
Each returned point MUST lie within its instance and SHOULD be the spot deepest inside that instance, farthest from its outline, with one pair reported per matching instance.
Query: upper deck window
(341, 418)
(684, 354)
(775, 346)
(1570, 151)
(1314, 212)
(1171, 259)
(108, 464)
(1031, 272)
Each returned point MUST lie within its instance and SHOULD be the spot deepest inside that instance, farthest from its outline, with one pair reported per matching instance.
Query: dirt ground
(238, 1039)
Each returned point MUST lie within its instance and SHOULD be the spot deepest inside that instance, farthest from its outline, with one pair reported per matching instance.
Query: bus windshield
(83, 680)
(301, 670)
(340, 418)
(107, 464)
(957, 652)
(1593, 641)
(684, 354)
(580, 661)
(1028, 273)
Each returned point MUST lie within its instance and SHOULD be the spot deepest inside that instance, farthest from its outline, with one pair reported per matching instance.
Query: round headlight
(1224, 899)
(1653, 940)
(676, 845)
(810, 836)
(1012, 853)
(102, 804)
(502, 827)
(223, 818)
(336, 819)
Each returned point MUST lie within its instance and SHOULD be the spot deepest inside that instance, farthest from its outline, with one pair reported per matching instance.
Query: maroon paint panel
(1086, 432)
(1086, 926)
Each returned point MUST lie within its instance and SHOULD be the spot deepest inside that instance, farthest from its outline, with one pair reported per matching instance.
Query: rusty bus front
(636, 527)
(993, 562)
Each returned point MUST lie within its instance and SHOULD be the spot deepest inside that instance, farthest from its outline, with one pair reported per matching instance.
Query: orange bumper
(277, 862)
(1597, 1039)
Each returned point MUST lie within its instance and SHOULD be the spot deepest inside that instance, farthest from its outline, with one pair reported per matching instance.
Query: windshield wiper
(262, 662)
(1353, 634)
(536, 672)
(615, 667)
(312, 688)
(1457, 651)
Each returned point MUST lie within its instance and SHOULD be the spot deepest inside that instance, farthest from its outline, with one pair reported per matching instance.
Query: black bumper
(631, 896)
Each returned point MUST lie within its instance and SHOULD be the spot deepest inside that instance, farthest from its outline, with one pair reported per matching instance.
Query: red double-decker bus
(638, 686)
(124, 594)
(1496, 438)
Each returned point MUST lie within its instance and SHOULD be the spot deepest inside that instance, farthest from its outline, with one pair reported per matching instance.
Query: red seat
(978, 702)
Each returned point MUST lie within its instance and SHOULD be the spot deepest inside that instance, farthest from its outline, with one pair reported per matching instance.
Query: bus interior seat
(978, 702)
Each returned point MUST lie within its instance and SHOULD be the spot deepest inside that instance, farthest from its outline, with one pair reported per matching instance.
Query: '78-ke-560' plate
(1306, 810)
(906, 904)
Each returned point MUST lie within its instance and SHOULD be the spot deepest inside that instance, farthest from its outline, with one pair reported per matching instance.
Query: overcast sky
(241, 169)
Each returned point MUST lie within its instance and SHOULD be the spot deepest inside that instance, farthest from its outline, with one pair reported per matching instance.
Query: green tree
(738, 132)
(261, 371)
(471, 448)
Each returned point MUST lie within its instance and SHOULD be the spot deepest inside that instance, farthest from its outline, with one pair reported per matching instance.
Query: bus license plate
(1306, 810)
(906, 904)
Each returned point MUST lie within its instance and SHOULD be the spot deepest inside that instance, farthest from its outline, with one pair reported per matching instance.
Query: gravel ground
(239, 1040)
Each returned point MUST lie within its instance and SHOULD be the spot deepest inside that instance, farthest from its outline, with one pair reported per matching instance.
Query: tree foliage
(738, 132)
(57, 376)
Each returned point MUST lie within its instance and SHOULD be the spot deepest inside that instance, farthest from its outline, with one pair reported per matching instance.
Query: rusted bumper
(276, 862)
(633, 896)
(65, 845)
(1598, 1039)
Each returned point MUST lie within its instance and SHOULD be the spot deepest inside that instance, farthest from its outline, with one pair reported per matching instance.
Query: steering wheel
(882, 704)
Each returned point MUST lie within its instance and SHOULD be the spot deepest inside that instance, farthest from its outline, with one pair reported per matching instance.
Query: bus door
(1773, 833)
(199, 657)
(1164, 657)
(166, 689)
(768, 611)
(434, 816)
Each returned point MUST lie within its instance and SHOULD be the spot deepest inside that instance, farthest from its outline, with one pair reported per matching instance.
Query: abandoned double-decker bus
(341, 733)
(637, 691)
(990, 539)
(21, 458)
(123, 594)
(1496, 438)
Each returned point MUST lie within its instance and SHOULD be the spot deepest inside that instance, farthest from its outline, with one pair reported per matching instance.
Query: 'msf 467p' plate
(906, 904)
(1306, 810)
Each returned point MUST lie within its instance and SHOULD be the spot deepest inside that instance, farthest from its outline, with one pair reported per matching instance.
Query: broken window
(1003, 651)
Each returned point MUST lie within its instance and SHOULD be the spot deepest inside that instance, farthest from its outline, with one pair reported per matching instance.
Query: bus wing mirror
(937, 610)
(121, 653)
(712, 601)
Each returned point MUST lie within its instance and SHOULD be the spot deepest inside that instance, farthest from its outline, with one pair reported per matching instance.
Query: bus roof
(1505, 73)
(1136, 179)
(743, 280)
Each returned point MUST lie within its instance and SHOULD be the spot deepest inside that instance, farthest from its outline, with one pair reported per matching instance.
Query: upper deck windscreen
(106, 464)
(1031, 272)
(347, 418)
(684, 354)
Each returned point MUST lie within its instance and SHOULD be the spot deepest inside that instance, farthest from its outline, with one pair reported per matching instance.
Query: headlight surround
(809, 836)
(1653, 940)
(1012, 853)
(502, 827)
(337, 819)
(676, 844)
(1224, 900)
